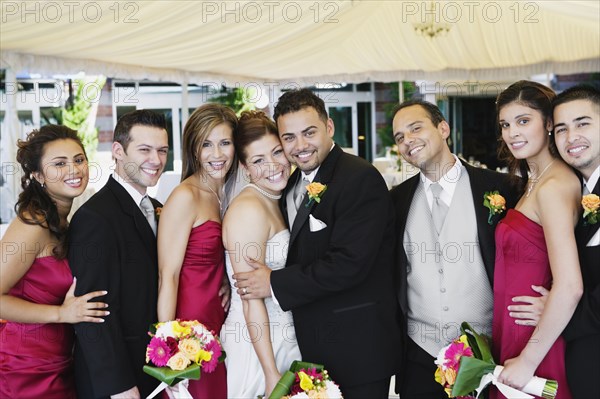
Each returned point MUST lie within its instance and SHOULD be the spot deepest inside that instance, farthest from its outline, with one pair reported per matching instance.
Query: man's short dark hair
(434, 113)
(579, 92)
(142, 117)
(297, 99)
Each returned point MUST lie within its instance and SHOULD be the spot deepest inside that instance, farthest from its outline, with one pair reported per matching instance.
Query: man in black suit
(338, 280)
(577, 135)
(113, 248)
(445, 248)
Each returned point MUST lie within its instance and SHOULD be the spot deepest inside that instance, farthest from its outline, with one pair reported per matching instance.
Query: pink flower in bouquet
(158, 352)
(455, 351)
(213, 347)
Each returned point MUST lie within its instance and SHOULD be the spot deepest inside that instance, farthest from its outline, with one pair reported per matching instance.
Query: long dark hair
(202, 121)
(533, 95)
(34, 205)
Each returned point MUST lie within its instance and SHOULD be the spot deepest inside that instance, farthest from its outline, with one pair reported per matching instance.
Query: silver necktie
(439, 209)
(300, 192)
(148, 210)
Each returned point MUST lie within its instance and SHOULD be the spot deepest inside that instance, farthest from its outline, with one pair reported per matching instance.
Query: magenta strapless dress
(522, 261)
(36, 360)
(200, 279)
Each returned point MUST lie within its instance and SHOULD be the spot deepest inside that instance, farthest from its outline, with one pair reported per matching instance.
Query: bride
(258, 336)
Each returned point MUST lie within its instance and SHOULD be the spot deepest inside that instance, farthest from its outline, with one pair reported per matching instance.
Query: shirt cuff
(273, 296)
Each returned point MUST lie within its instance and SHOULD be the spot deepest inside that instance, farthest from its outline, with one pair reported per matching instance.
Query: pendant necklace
(534, 180)
(218, 199)
(263, 192)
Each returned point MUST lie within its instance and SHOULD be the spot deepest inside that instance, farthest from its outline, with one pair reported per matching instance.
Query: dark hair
(579, 92)
(198, 127)
(34, 205)
(533, 95)
(434, 113)
(297, 99)
(142, 117)
(252, 126)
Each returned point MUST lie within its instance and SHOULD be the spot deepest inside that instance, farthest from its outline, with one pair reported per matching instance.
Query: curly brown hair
(35, 206)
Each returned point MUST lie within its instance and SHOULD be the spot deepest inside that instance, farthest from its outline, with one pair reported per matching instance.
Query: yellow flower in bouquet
(305, 381)
(181, 329)
(178, 361)
(203, 356)
(190, 348)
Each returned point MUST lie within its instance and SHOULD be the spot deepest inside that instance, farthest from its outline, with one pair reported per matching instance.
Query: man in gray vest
(445, 248)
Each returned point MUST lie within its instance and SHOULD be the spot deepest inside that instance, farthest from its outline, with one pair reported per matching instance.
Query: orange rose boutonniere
(495, 203)
(157, 212)
(315, 192)
(591, 204)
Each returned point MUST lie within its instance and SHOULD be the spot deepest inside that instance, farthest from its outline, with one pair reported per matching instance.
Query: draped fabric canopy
(300, 41)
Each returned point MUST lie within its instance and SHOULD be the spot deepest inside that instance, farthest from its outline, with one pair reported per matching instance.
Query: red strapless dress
(200, 279)
(36, 360)
(522, 261)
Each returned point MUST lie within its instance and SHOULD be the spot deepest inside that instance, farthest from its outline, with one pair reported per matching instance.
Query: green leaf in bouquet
(479, 343)
(469, 375)
(283, 385)
(172, 377)
(221, 358)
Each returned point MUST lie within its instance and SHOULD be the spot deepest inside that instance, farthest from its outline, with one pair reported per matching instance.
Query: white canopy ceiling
(300, 41)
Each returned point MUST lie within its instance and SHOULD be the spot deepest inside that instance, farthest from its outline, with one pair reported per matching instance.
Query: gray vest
(447, 281)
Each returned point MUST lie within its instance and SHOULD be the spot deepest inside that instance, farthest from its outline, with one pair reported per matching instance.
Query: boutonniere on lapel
(315, 192)
(496, 203)
(590, 203)
(157, 212)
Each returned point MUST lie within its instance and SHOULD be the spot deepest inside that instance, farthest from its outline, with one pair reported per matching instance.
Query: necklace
(218, 199)
(263, 192)
(534, 180)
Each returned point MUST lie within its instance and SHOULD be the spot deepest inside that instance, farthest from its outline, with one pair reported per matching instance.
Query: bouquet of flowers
(306, 381)
(466, 367)
(178, 351)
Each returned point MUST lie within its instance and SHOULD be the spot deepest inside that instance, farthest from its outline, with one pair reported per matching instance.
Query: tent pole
(11, 132)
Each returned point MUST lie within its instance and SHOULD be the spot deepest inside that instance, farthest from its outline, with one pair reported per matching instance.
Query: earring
(43, 185)
(549, 132)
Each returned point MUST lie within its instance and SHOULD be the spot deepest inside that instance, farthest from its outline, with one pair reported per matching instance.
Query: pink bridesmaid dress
(36, 360)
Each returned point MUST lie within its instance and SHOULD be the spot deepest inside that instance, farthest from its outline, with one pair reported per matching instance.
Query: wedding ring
(245, 290)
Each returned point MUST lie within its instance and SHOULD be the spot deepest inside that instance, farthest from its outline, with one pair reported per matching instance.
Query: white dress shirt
(590, 184)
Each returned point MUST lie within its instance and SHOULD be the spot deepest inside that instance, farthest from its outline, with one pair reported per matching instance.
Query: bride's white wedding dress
(245, 377)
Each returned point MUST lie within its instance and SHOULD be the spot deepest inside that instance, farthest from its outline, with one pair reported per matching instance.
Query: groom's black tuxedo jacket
(481, 181)
(113, 248)
(583, 331)
(339, 281)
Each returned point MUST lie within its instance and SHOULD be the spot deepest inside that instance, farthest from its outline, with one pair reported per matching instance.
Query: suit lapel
(485, 231)
(405, 203)
(323, 176)
(129, 207)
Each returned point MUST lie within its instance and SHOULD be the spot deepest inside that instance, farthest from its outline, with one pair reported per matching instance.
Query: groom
(113, 248)
(338, 280)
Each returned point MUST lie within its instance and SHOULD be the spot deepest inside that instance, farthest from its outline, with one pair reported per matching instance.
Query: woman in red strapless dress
(192, 280)
(37, 301)
(535, 243)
